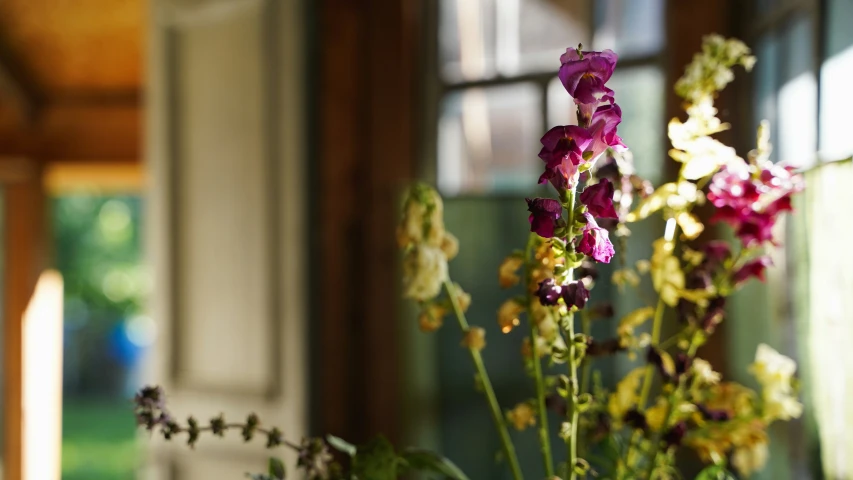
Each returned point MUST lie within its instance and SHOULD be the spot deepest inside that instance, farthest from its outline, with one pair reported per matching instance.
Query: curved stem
(544, 436)
(497, 415)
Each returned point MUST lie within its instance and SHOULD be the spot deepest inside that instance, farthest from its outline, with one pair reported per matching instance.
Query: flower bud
(474, 339)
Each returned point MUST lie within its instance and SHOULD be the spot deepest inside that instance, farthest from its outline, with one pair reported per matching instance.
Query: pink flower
(751, 201)
(598, 199)
(753, 268)
(584, 74)
(544, 214)
(562, 152)
(595, 241)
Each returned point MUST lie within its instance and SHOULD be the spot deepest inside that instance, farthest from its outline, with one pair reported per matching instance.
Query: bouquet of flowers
(674, 400)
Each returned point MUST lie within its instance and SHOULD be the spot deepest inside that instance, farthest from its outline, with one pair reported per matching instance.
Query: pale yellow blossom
(507, 272)
(508, 314)
(424, 272)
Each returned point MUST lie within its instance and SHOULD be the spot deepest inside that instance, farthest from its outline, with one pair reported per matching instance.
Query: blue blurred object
(124, 350)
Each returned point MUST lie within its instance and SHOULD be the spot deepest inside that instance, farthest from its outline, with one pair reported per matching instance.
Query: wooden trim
(94, 177)
(24, 257)
(365, 134)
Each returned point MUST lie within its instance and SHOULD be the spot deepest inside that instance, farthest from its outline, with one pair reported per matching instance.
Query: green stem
(649, 374)
(572, 413)
(477, 359)
(544, 436)
(670, 410)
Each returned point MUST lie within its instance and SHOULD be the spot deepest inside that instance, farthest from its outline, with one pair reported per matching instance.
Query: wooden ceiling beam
(15, 79)
(77, 132)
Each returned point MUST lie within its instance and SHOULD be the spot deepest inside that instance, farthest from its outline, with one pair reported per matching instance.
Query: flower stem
(544, 436)
(497, 415)
(649, 374)
(572, 412)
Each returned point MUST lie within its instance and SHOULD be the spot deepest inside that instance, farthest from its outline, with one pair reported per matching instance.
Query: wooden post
(23, 253)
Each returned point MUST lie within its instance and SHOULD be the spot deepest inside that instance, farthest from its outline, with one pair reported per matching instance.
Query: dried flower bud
(450, 245)
(193, 431)
(508, 314)
(607, 347)
(274, 438)
(431, 318)
(252, 422)
(522, 416)
(463, 298)
(507, 276)
(475, 339)
(713, 415)
(217, 425)
(424, 272)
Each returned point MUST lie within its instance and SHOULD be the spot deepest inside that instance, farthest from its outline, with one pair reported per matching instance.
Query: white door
(226, 189)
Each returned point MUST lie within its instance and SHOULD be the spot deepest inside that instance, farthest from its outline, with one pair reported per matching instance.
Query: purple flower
(575, 294)
(544, 213)
(549, 292)
(602, 129)
(584, 74)
(712, 414)
(752, 268)
(595, 241)
(675, 434)
(598, 199)
(562, 152)
(717, 251)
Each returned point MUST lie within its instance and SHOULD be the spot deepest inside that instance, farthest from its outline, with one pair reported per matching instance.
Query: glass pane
(466, 36)
(488, 139)
(561, 108)
(797, 139)
(538, 32)
(766, 86)
(836, 141)
(632, 28)
(640, 93)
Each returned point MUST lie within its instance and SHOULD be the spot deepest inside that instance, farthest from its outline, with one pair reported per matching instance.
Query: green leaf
(276, 468)
(427, 461)
(715, 472)
(375, 460)
(341, 445)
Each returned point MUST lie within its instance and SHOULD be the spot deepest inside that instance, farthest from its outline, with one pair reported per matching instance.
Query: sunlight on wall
(42, 346)
(836, 141)
(830, 304)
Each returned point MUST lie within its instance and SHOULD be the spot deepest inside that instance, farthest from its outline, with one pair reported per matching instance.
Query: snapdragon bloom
(575, 293)
(562, 151)
(753, 268)
(595, 241)
(598, 199)
(751, 202)
(602, 130)
(585, 73)
(544, 214)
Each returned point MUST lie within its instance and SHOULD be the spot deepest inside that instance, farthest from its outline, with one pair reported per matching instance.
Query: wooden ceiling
(71, 79)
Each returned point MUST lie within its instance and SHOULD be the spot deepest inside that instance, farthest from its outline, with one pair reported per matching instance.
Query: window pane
(797, 139)
(836, 140)
(542, 30)
(640, 93)
(488, 140)
(466, 36)
(561, 107)
(632, 28)
(766, 86)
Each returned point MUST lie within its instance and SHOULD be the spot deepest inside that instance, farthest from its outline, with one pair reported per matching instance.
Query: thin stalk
(586, 328)
(497, 415)
(670, 410)
(572, 412)
(649, 374)
(544, 436)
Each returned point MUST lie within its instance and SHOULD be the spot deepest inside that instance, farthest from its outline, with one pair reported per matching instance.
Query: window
(801, 84)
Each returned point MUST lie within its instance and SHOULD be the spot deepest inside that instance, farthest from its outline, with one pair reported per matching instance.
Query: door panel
(226, 196)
